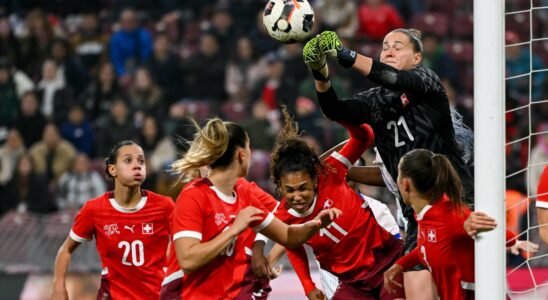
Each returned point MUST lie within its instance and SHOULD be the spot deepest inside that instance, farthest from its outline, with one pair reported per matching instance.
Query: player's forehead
(396, 37)
(130, 151)
(296, 179)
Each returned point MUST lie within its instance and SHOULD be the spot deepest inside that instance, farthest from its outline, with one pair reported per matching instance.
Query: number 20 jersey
(132, 243)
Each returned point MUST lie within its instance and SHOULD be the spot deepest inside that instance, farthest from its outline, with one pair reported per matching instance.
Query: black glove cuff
(346, 57)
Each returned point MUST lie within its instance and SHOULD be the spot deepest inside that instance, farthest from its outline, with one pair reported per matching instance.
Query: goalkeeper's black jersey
(409, 111)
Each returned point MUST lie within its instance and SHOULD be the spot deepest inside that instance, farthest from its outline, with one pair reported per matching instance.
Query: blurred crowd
(78, 76)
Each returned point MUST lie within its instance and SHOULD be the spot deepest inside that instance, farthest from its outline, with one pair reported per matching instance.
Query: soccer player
(431, 186)
(355, 248)
(542, 205)
(131, 227)
(251, 284)
(409, 110)
(212, 214)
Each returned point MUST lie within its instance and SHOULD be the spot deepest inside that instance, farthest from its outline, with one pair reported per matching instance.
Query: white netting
(526, 139)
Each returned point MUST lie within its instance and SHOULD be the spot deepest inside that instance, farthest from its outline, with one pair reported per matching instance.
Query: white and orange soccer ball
(288, 21)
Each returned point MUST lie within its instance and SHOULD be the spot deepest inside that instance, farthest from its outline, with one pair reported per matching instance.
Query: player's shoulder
(98, 202)
(158, 199)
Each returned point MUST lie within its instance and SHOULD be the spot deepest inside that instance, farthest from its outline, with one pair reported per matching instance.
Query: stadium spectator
(243, 70)
(261, 127)
(9, 109)
(78, 185)
(429, 184)
(159, 149)
(127, 220)
(71, 70)
(10, 46)
(90, 44)
(101, 92)
(130, 47)
(435, 58)
(31, 121)
(9, 155)
(409, 94)
(52, 155)
(78, 131)
(55, 95)
(27, 191)
(206, 83)
(146, 98)
(166, 70)
(118, 126)
(214, 264)
(36, 40)
(355, 248)
(337, 15)
(376, 19)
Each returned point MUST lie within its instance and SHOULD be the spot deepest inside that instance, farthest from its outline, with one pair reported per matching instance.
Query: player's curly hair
(214, 146)
(292, 154)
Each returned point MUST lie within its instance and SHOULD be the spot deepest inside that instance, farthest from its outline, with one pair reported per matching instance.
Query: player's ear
(417, 58)
(406, 185)
(112, 170)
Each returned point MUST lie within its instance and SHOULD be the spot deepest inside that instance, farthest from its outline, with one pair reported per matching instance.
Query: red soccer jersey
(354, 245)
(203, 212)
(445, 248)
(542, 189)
(132, 243)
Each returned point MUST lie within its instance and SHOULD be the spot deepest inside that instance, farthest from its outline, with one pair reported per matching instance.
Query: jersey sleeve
(355, 110)
(419, 80)
(410, 260)
(361, 137)
(187, 217)
(83, 229)
(299, 261)
(542, 190)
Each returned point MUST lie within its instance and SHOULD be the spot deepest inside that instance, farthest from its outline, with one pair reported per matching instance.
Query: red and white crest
(404, 100)
(327, 204)
(147, 228)
(432, 235)
(220, 219)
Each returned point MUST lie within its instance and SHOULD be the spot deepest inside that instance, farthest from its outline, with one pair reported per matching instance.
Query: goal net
(526, 129)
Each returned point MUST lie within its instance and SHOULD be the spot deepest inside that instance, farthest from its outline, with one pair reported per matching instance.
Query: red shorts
(356, 291)
(253, 287)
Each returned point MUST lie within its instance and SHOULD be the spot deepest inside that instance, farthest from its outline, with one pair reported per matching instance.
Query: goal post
(489, 144)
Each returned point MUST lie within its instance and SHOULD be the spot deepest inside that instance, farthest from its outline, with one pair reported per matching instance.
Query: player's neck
(127, 197)
(224, 180)
(418, 204)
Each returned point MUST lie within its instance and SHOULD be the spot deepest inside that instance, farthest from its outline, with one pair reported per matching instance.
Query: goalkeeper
(409, 110)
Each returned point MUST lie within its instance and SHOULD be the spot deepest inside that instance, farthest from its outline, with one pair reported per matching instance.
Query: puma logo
(129, 228)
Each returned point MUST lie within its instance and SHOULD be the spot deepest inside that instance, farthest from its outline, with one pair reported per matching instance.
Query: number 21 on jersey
(401, 123)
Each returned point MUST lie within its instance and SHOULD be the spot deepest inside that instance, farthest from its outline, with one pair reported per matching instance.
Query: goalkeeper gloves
(315, 59)
(330, 44)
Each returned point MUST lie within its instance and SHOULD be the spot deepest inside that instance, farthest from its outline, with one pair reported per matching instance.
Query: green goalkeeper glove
(331, 45)
(315, 59)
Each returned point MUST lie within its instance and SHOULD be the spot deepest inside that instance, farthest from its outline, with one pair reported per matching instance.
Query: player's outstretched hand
(526, 246)
(478, 222)
(276, 271)
(316, 294)
(330, 44)
(315, 60)
(244, 217)
(390, 277)
(326, 216)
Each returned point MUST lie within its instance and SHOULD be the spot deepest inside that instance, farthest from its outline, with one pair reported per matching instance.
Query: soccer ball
(288, 21)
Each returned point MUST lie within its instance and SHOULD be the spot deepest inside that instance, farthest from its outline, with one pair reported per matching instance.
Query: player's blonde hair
(214, 145)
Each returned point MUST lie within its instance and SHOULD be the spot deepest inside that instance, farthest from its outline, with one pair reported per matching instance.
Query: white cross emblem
(147, 228)
(432, 235)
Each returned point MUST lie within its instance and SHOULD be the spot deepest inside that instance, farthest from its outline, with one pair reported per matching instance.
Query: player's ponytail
(292, 154)
(214, 146)
(432, 176)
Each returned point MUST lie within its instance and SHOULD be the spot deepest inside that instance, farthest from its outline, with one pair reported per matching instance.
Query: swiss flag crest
(147, 228)
(431, 235)
(404, 100)
(327, 204)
